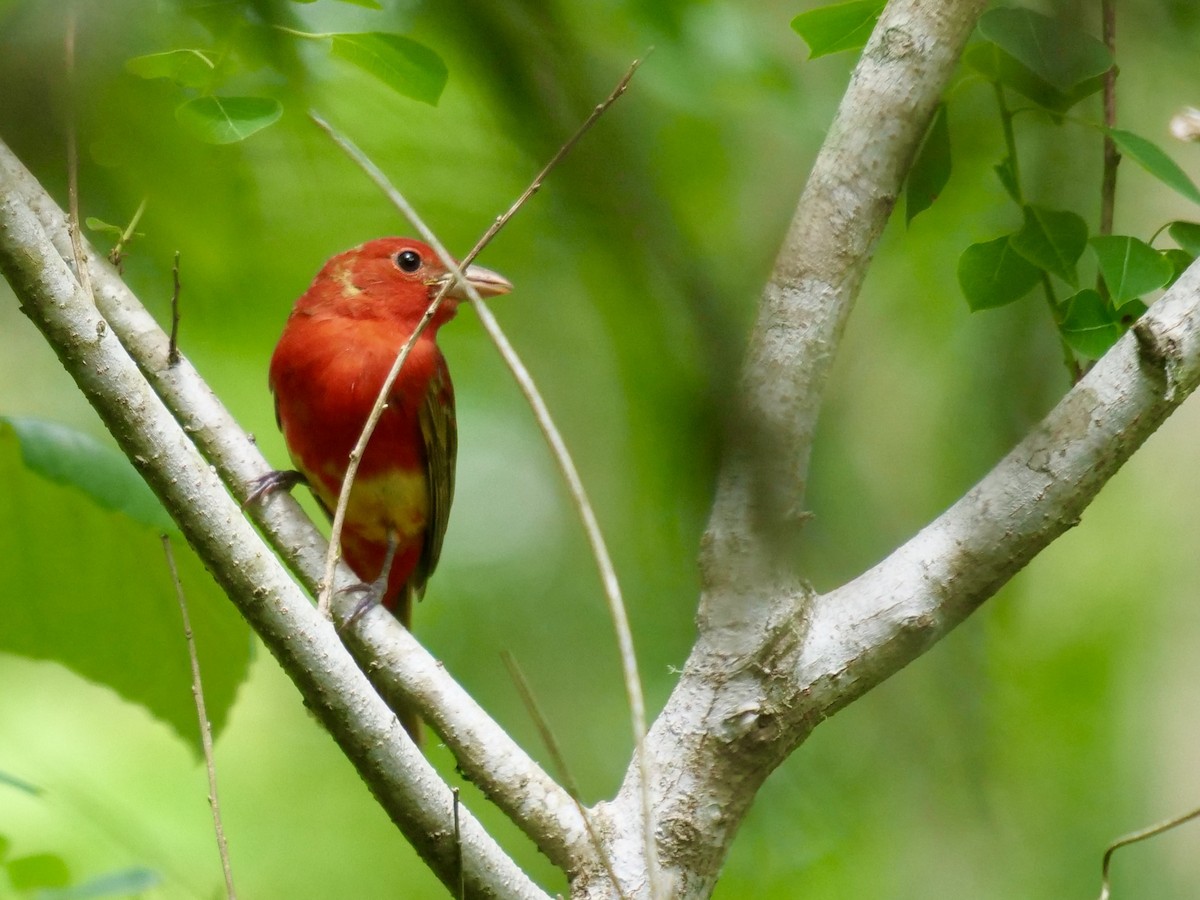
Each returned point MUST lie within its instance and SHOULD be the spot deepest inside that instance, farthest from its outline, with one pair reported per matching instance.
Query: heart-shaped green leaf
(1090, 326)
(842, 26)
(1052, 240)
(1130, 268)
(407, 67)
(1060, 53)
(992, 274)
(227, 120)
(996, 65)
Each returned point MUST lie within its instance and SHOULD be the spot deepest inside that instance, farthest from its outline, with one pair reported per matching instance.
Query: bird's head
(394, 279)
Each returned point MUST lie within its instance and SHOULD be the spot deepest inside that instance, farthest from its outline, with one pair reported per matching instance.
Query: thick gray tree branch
(862, 632)
(773, 660)
(402, 670)
(850, 193)
(712, 746)
(305, 643)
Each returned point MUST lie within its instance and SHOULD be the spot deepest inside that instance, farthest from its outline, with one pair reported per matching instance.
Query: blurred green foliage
(999, 765)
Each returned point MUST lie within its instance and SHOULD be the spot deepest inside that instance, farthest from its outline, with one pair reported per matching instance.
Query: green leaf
(1179, 261)
(996, 65)
(1091, 326)
(125, 883)
(992, 274)
(1052, 240)
(931, 170)
(402, 64)
(1151, 158)
(843, 26)
(1186, 235)
(1059, 53)
(227, 120)
(38, 870)
(191, 68)
(70, 457)
(101, 227)
(369, 4)
(1130, 267)
(88, 587)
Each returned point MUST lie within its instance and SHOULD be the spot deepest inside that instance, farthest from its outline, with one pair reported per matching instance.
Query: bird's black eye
(408, 260)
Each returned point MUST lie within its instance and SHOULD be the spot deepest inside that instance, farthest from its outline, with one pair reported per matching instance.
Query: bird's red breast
(337, 347)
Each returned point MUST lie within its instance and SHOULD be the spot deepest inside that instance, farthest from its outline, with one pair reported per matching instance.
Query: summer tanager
(342, 337)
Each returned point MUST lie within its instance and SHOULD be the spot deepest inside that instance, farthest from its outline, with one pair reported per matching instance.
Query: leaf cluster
(1049, 67)
(408, 67)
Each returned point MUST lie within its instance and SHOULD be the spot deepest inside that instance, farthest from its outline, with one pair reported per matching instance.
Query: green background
(999, 765)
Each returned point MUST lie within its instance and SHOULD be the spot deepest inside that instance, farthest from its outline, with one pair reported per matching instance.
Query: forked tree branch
(850, 193)
(773, 660)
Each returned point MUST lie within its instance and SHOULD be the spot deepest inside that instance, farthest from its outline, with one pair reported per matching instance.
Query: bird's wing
(440, 433)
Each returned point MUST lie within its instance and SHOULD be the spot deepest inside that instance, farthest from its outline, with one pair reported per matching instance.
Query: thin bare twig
(81, 270)
(173, 342)
(558, 446)
(1135, 836)
(206, 740)
(560, 763)
(534, 186)
(116, 254)
(1108, 183)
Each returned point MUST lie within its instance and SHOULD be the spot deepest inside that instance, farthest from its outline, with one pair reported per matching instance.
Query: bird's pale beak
(485, 281)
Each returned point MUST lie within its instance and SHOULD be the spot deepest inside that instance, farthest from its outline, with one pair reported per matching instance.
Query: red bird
(342, 337)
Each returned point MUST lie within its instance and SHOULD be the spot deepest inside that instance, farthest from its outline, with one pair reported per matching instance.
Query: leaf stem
(1010, 141)
(307, 35)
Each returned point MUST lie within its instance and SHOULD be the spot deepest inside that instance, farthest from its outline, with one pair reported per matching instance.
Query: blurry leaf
(1052, 240)
(402, 64)
(1186, 235)
(1151, 158)
(1008, 179)
(4, 842)
(89, 588)
(998, 66)
(1091, 326)
(369, 4)
(70, 457)
(1179, 261)
(38, 870)
(191, 68)
(115, 884)
(844, 26)
(992, 274)
(1130, 267)
(102, 227)
(1061, 54)
(931, 170)
(15, 782)
(227, 120)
